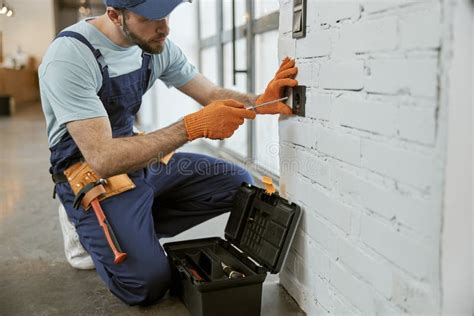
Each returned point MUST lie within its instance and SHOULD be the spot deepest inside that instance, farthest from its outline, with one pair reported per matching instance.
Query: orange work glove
(218, 120)
(284, 77)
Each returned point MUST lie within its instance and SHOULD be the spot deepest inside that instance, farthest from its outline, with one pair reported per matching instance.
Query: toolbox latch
(268, 184)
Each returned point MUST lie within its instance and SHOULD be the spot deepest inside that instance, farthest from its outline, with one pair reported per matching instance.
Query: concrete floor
(35, 278)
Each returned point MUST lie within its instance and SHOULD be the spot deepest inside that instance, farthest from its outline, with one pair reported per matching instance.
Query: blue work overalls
(167, 200)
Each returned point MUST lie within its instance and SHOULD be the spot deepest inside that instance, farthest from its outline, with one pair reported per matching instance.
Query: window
(256, 61)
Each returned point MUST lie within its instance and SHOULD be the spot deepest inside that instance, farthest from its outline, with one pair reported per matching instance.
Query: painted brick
(321, 291)
(307, 302)
(353, 289)
(305, 74)
(395, 76)
(286, 47)
(418, 169)
(293, 288)
(313, 167)
(343, 75)
(294, 161)
(313, 254)
(341, 307)
(415, 213)
(341, 50)
(312, 14)
(319, 230)
(370, 36)
(288, 164)
(338, 145)
(398, 247)
(296, 132)
(319, 105)
(316, 72)
(302, 276)
(355, 223)
(367, 115)
(315, 285)
(421, 29)
(363, 163)
(290, 183)
(414, 295)
(307, 278)
(374, 6)
(418, 124)
(328, 207)
(332, 12)
(373, 270)
(316, 44)
(286, 16)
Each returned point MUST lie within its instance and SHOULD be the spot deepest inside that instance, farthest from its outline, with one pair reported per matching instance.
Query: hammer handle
(109, 233)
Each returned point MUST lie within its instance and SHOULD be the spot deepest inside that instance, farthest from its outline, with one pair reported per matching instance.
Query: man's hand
(284, 78)
(217, 120)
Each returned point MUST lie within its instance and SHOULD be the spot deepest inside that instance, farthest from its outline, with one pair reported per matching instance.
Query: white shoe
(76, 255)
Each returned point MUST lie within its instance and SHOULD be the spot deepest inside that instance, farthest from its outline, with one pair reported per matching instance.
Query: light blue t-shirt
(70, 77)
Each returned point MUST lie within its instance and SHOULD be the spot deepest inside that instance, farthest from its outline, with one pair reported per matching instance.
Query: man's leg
(145, 276)
(189, 190)
(192, 189)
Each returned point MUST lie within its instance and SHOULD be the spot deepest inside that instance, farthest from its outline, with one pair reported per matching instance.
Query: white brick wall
(366, 163)
(342, 75)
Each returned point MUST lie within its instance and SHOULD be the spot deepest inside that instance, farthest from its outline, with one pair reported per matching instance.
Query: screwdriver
(253, 107)
(230, 272)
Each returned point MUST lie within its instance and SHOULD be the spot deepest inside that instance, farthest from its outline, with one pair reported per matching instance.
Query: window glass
(266, 126)
(209, 63)
(265, 7)
(238, 142)
(240, 13)
(207, 13)
(210, 70)
(266, 146)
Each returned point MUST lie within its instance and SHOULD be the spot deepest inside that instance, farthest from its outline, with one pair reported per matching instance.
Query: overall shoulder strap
(97, 54)
(147, 64)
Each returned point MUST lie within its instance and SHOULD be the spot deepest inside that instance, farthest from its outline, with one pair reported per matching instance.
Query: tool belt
(87, 186)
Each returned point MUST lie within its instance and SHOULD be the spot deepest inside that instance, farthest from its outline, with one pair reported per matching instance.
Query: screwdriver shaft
(266, 103)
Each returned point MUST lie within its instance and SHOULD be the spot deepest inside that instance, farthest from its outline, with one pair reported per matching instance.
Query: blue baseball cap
(150, 9)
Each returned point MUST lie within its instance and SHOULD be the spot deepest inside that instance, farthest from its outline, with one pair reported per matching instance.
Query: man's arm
(204, 92)
(111, 156)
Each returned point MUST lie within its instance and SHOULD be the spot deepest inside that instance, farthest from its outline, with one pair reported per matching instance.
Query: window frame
(249, 30)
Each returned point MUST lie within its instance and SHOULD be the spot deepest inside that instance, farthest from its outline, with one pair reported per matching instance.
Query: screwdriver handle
(119, 255)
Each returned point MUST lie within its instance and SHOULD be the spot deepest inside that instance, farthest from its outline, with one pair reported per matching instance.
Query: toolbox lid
(262, 226)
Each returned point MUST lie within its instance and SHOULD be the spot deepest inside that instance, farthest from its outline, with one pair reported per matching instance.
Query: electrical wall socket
(297, 100)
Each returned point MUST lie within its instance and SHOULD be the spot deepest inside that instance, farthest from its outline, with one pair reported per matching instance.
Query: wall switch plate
(299, 18)
(297, 100)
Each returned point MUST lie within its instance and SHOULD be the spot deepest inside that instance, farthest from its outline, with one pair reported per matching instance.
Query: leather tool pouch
(81, 175)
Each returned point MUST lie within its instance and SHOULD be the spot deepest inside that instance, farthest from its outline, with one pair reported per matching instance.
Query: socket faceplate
(297, 100)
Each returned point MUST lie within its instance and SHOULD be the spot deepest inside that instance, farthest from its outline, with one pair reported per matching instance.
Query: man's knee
(242, 176)
(236, 175)
(145, 284)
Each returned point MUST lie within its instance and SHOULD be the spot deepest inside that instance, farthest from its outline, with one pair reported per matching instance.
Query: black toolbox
(258, 235)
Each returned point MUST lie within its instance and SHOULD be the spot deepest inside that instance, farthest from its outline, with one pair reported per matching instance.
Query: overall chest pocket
(124, 103)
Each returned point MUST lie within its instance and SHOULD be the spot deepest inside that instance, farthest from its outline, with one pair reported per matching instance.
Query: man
(92, 80)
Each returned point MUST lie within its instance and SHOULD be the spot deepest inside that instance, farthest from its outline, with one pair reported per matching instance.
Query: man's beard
(156, 48)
